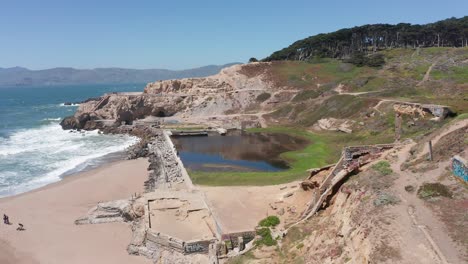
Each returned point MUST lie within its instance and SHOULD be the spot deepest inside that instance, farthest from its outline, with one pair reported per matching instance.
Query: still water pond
(237, 151)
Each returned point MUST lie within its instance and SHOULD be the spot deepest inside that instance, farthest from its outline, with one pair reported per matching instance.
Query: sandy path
(416, 214)
(444, 131)
(240, 208)
(48, 215)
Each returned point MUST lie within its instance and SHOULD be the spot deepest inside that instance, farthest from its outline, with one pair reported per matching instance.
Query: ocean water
(35, 151)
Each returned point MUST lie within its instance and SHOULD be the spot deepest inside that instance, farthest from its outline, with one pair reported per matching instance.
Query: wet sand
(48, 215)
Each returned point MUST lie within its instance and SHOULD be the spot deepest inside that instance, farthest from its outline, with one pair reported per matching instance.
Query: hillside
(366, 207)
(367, 39)
(18, 76)
(337, 101)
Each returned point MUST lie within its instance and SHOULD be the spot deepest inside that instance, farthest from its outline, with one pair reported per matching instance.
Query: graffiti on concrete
(195, 247)
(460, 167)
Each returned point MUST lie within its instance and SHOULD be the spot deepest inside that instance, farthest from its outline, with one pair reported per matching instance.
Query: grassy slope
(396, 80)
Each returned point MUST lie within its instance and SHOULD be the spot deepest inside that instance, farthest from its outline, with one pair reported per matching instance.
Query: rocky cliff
(191, 99)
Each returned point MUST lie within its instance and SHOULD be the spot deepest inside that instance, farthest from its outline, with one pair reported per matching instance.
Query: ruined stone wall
(179, 245)
(164, 165)
(233, 237)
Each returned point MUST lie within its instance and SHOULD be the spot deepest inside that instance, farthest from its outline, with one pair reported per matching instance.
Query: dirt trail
(339, 90)
(413, 210)
(443, 132)
(427, 74)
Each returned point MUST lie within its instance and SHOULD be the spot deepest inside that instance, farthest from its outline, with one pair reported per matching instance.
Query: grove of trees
(368, 39)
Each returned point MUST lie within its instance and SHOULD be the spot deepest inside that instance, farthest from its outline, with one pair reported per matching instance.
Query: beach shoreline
(48, 214)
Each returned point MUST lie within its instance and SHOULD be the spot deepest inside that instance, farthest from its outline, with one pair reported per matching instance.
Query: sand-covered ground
(48, 215)
(240, 208)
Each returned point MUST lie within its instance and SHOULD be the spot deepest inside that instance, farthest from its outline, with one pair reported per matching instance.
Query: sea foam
(36, 157)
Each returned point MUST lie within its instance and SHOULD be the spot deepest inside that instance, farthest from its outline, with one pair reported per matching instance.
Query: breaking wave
(39, 156)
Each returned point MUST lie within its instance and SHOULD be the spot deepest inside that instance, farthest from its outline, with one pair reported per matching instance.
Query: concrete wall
(197, 246)
(185, 247)
(233, 237)
(166, 241)
(460, 168)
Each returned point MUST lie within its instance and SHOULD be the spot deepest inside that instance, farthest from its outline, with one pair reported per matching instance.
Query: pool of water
(237, 151)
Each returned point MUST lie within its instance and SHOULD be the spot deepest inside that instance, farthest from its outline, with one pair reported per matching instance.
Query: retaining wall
(233, 237)
(185, 247)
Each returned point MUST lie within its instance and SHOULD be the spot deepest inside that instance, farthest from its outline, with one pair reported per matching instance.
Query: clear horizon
(163, 35)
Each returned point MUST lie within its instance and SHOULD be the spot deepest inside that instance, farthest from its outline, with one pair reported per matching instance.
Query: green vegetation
(369, 38)
(271, 220)
(327, 72)
(245, 258)
(457, 74)
(386, 199)
(383, 167)
(263, 97)
(306, 95)
(266, 239)
(323, 149)
(430, 190)
(253, 60)
(360, 59)
(337, 106)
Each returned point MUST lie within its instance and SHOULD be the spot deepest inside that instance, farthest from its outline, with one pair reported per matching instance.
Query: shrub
(271, 220)
(263, 97)
(266, 239)
(253, 59)
(383, 167)
(429, 190)
(375, 60)
(385, 199)
(360, 59)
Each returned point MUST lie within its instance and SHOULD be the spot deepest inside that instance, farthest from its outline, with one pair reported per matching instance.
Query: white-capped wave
(52, 119)
(35, 157)
(63, 104)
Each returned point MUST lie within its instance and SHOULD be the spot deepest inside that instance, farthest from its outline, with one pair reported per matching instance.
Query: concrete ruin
(172, 219)
(460, 168)
(351, 159)
(412, 109)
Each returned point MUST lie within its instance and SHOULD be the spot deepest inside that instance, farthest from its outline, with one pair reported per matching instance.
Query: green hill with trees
(354, 43)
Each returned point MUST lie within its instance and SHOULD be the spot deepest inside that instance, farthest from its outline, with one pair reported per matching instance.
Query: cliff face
(229, 92)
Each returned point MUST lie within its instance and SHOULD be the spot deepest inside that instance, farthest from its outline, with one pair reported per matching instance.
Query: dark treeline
(368, 39)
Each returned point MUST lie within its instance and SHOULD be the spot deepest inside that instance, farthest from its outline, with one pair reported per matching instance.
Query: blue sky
(183, 34)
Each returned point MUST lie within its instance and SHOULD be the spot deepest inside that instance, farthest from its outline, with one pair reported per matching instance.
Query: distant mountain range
(18, 76)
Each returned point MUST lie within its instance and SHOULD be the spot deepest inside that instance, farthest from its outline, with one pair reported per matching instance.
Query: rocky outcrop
(228, 92)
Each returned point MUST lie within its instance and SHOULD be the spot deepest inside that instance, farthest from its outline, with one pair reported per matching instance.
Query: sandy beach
(48, 215)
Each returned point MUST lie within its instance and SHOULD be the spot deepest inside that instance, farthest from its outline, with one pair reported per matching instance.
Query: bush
(429, 190)
(386, 199)
(266, 239)
(263, 97)
(375, 60)
(253, 59)
(360, 59)
(271, 220)
(383, 167)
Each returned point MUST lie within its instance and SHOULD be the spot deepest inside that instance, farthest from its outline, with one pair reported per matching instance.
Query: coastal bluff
(228, 95)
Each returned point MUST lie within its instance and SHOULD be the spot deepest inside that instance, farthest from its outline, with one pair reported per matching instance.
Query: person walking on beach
(6, 219)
